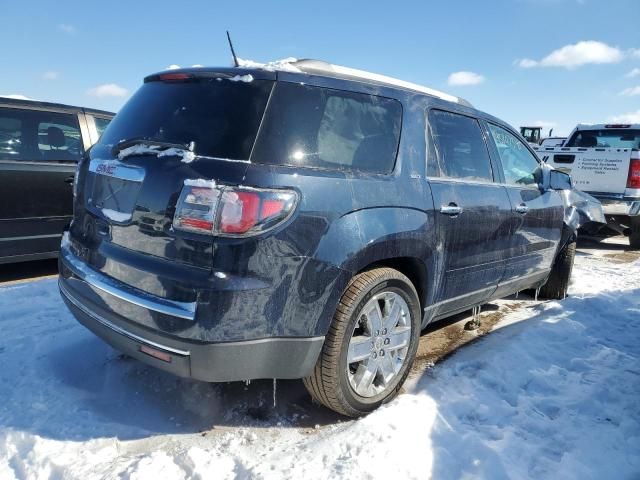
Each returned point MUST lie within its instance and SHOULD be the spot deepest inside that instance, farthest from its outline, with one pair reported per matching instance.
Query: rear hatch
(179, 125)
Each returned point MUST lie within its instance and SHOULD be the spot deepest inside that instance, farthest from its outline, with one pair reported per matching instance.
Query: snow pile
(283, 65)
(187, 155)
(200, 182)
(552, 394)
(16, 96)
(115, 215)
(142, 149)
(242, 78)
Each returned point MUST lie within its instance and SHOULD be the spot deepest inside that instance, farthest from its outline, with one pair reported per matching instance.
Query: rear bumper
(617, 207)
(291, 357)
(628, 208)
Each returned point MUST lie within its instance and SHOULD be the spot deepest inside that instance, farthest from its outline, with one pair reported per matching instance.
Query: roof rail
(308, 64)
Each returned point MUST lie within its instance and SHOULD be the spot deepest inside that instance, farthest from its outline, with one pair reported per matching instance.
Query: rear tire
(558, 281)
(347, 386)
(634, 235)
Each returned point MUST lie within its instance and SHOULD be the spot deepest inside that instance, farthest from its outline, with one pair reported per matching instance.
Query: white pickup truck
(604, 161)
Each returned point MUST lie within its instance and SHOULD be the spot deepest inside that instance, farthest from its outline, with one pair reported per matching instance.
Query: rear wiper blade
(130, 142)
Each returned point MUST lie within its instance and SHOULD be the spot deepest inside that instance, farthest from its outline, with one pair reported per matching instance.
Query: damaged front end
(582, 211)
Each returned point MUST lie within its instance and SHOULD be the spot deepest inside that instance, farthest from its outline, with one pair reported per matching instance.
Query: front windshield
(220, 116)
(608, 138)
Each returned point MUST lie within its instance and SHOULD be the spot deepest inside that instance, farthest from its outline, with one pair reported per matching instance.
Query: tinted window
(460, 148)
(58, 136)
(520, 166)
(609, 138)
(220, 116)
(31, 135)
(101, 124)
(10, 135)
(320, 127)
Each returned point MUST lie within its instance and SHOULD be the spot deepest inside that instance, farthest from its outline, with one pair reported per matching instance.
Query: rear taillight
(204, 207)
(633, 180)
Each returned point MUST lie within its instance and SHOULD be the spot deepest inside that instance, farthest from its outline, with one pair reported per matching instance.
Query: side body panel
(35, 198)
(473, 243)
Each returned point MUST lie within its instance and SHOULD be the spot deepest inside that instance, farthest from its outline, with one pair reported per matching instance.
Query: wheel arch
(412, 268)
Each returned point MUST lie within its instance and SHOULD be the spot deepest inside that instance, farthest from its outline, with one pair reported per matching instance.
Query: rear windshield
(220, 116)
(324, 128)
(609, 138)
(303, 125)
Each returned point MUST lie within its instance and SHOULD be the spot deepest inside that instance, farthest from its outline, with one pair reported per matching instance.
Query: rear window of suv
(304, 126)
(221, 116)
(319, 127)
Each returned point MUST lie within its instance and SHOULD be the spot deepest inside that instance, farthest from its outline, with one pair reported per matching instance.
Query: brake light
(204, 207)
(174, 77)
(633, 180)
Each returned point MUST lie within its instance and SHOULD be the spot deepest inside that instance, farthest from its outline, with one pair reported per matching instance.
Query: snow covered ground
(554, 392)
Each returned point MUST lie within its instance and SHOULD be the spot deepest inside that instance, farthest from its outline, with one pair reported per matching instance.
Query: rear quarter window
(318, 127)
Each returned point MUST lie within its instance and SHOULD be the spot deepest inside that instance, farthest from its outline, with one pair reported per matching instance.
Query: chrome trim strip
(116, 169)
(93, 278)
(34, 237)
(103, 321)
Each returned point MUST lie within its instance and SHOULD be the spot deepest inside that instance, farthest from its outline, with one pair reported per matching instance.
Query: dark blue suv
(304, 222)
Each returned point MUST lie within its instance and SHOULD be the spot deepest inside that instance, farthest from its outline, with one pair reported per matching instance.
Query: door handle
(522, 208)
(451, 209)
(69, 180)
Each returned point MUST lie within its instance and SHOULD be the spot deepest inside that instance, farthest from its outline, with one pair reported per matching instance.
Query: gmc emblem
(106, 169)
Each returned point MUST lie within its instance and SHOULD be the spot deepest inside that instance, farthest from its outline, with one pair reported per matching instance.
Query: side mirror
(559, 180)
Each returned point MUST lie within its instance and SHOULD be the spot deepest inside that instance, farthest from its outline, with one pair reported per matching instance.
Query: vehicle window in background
(10, 135)
(36, 136)
(220, 116)
(318, 127)
(552, 142)
(520, 166)
(531, 135)
(101, 124)
(609, 138)
(59, 136)
(460, 147)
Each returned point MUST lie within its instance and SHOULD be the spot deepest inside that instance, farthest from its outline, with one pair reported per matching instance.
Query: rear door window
(318, 127)
(459, 147)
(59, 136)
(36, 136)
(520, 166)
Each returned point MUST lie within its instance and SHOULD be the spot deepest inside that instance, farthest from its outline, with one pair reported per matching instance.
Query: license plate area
(115, 189)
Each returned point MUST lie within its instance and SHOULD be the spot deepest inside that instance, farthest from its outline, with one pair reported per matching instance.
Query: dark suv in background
(40, 146)
(234, 224)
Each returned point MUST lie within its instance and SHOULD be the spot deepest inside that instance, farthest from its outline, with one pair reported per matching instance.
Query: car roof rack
(311, 65)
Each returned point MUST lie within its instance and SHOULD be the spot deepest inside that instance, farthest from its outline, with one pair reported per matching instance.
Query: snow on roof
(292, 64)
(376, 77)
(283, 65)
